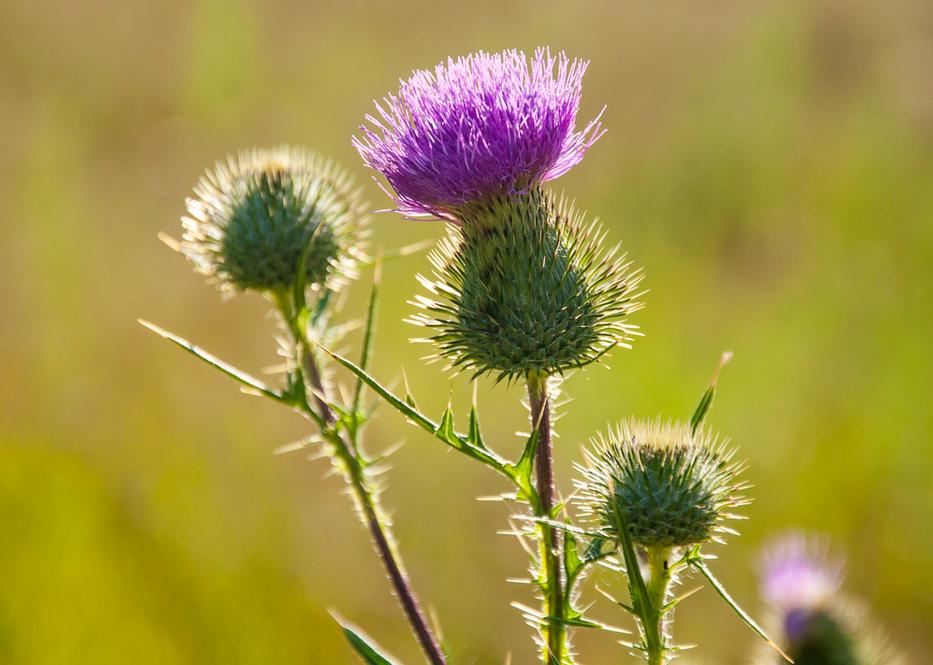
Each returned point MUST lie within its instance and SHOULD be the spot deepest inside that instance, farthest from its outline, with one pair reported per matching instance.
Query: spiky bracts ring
(256, 219)
(672, 487)
(522, 287)
(478, 126)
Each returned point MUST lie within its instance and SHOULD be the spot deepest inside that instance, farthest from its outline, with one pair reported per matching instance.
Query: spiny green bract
(672, 487)
(256, 218)
(521, 286)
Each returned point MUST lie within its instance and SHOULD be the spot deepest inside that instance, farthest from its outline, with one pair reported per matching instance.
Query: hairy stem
(364, 497)
(555, 643)
(653, 619)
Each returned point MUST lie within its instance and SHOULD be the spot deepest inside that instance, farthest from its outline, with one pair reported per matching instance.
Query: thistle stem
(555, 643)
(653, 617)
(366, 500)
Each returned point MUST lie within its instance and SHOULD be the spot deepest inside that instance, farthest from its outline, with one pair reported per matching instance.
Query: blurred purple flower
(479, 126)
(798, 573)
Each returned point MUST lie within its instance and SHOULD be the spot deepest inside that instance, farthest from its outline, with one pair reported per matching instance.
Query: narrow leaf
(632, 569)
(721, 590)
(474, 433)
(363, 644)
(231, 371)
(443, 431)
(368, 334)
(402, 407)
(706, 401)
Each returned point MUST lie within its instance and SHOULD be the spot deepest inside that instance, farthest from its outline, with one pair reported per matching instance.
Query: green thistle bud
(522, 287)
(673, 488)
(261, 216)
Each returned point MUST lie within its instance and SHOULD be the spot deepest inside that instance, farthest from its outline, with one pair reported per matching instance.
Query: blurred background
(770, 164)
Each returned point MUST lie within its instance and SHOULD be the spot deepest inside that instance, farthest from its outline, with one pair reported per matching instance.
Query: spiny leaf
(706, 401)
(698, 563)
(443, 430)
(572, 561)
(474, 433)
(363, 644)
(231, 371)
(522, 470)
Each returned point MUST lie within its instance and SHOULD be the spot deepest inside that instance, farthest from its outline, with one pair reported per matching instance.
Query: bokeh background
(769, 163)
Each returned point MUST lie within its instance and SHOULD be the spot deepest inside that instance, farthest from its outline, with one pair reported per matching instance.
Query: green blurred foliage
(769, 163)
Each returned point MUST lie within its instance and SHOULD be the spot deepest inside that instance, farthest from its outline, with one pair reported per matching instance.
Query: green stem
(653, 619)
(346, 451)
(555, 642)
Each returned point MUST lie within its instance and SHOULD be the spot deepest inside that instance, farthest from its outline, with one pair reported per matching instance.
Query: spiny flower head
(256, 219)
(671, 487)
(522, 287)
(479, 126)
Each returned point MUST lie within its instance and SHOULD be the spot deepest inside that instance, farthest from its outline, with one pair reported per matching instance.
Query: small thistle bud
(673, 488)
(256, 220)
(482, 126)
(521, 287)
(801, 582)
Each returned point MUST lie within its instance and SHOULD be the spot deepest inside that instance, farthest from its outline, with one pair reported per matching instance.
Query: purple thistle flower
(798, 574)
(479, 126)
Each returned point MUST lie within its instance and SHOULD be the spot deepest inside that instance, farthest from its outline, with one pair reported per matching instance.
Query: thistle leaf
(474, 434)
(443, 430)
(639, 590)
(363, 644)
(698, 563)
(241, 377)
(706, 401)
(522, 470)
(368, 334)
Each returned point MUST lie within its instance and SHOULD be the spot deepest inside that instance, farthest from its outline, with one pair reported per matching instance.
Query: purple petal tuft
(479, 126)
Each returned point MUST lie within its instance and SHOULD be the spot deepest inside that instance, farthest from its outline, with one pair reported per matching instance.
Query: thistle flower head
(522, 287)
(798, 574)
(671, 487)
(479, 126)
(258, 219)
(801, 582)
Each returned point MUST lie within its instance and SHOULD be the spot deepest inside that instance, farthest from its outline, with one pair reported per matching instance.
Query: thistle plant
(287, 224)
(522, 291)
(658, 491)
(821, 625)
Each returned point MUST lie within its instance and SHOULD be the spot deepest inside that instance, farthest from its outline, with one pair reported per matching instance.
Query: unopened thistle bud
(261, 217)
(671, 487)
(801, 582)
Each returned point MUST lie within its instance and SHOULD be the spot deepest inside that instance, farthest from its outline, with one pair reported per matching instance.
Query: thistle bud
(673, 488)
(821, 625)
(521, 287)
(260, 218)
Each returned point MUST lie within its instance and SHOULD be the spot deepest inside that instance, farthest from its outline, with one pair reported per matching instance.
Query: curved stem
(366, 501)
(555, 644)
